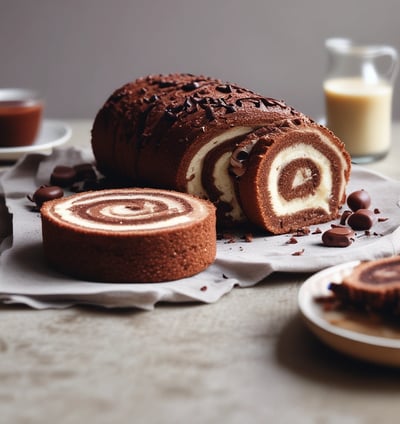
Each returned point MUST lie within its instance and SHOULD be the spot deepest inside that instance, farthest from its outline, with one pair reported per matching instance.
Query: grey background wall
(78, 51)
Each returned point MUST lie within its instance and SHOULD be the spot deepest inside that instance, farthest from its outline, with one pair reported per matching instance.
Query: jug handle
(393, 68)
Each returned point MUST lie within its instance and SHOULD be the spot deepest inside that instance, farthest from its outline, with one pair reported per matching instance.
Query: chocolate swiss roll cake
(257, 159)
(129, 235)
(372, 286)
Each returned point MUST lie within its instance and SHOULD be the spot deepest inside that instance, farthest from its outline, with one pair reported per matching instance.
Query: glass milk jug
(358, 96)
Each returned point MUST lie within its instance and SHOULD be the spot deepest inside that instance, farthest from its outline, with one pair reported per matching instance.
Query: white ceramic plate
(52, 133)
(354, 335)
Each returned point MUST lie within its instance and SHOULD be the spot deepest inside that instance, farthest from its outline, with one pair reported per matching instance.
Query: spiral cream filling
(129, 210)
(320, 197)
(221, 175)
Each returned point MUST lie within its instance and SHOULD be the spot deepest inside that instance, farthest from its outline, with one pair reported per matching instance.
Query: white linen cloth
(26, 278)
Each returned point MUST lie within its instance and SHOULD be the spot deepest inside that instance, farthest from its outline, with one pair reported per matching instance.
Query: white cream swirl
(125, 210)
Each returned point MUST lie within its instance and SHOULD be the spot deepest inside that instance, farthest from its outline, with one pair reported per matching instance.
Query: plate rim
(305, 297)
(67, 132)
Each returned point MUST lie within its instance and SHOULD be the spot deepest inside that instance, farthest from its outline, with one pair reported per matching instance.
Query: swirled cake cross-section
(129, 235)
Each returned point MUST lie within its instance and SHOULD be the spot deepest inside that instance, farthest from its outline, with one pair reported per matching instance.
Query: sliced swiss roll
(372, 286)
(209, 138)
(290, 176)
(127, 235)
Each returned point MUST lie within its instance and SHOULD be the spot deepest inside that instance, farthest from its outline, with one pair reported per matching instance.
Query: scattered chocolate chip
(382, 219)
(224, 88)
(63, 176)
(302, 232)
(362, 219)
(359, 199)
(85, 171)
(191, 86)
(203, 288)
(345, 215)
(338, 237)
(45, 193)
(248, 237)
(166, 84)
(298, 253)
(230, 238)
(170, 116)
(376, 211)
(209, 113)
(292, 240)
(317, 231)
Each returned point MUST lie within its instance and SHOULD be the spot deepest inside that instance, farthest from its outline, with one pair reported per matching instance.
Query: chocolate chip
(345, 216)
(45, 193)
(170, 116)
(359, 199)
(224, 88)
(338, 237)
(166, 84)
(362, 219)
(84, 171)
(191, 86)
(63, 176)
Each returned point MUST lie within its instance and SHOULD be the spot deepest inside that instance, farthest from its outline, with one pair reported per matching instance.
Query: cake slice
(129, 235)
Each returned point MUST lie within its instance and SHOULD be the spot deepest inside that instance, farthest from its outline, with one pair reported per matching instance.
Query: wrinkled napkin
(26, 278)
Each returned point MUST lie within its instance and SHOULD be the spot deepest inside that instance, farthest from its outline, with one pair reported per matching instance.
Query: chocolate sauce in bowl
(20, 117)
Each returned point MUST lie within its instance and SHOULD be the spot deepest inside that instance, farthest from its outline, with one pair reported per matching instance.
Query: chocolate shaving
(302, 232)
(224, 88)
(248, 237)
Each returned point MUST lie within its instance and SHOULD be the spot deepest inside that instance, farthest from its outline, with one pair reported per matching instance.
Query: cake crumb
(248, 237)
(305, 231)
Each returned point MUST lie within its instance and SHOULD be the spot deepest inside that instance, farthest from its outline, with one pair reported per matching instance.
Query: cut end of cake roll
(372, 286)
(224, 143)
(291, 175)
(129, 235)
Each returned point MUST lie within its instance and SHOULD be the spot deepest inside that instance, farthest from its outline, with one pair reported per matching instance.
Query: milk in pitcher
(358, 89)
(360, 113)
